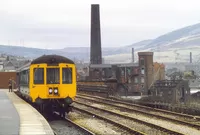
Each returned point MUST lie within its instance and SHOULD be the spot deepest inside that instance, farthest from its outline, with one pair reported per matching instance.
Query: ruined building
(135, 78)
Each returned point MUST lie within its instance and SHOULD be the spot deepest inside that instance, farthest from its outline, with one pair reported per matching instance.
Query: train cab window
(67, 75)
(53, 76)
(38, 75)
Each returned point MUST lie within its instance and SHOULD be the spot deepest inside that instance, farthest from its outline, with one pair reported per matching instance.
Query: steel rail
(139, 111)
(132, 131)
(134, 119)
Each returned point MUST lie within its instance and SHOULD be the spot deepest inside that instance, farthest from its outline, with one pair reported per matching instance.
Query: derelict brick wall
(4, 77)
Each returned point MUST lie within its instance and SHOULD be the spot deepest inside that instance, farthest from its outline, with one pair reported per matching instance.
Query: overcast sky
(66, 23)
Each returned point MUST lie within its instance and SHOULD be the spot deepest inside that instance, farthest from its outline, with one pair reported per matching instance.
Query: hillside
(186, 36)
(170, 47)
(27, 52)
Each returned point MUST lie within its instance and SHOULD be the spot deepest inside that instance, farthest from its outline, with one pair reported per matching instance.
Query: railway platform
(19, 118)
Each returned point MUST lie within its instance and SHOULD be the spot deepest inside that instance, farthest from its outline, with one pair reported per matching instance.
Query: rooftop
(145, 53)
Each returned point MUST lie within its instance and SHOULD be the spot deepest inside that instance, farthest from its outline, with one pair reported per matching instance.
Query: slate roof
(14, 64)
(110, 65)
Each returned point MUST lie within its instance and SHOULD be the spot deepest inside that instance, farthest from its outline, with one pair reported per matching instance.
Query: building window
(142, 79)
(129, 80)
(122, 72)
(103, 72)
(142, 71)
(142, 62)
(136, 80)
(179, 93)
(169, 92)
(128, 71)
(161, 94)
(135, 71)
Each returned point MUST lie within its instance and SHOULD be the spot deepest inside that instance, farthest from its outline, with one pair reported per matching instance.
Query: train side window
(38, 75)
(23, 77)
(67, 75)
(28, 77)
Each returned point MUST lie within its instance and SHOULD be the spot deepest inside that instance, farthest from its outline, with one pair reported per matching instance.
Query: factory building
(135, 78)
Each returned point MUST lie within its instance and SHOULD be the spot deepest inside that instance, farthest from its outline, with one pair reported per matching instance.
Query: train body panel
(25, 91)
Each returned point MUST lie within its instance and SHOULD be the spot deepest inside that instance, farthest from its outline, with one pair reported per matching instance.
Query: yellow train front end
(52, 82)
(49, 82)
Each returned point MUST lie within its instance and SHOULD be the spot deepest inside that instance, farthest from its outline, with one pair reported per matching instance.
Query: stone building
(171, 91)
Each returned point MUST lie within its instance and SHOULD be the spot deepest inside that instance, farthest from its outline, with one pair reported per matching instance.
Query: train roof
(49, 59)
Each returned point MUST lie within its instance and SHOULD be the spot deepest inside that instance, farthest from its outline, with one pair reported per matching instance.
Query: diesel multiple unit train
(49, 82)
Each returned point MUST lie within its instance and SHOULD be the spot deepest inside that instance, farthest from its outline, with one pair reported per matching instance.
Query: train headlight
(50, 90)
(56, 91)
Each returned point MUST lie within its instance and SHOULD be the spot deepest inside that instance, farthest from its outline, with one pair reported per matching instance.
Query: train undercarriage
(50, 106)
(53, 105)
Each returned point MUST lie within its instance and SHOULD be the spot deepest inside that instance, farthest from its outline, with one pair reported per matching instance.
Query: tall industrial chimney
(133, 55)
(95, 43)
(190, 57)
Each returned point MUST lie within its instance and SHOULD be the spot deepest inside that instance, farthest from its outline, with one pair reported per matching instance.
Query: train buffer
(19, 118)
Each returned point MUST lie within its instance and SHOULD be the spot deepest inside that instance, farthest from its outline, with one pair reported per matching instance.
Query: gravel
(130, 123)
(62, 127)
(160, 113)
(95, 125)
(163, 123)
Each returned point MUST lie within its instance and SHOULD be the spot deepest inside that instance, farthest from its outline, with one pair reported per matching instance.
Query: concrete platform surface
(17, 117)
(9, 118)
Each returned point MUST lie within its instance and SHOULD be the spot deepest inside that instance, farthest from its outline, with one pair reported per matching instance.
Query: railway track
(55, 133)
(193, 121)
(67, 126)
(84, 130)
(147, 111)
(133, 122)
(116, 123)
